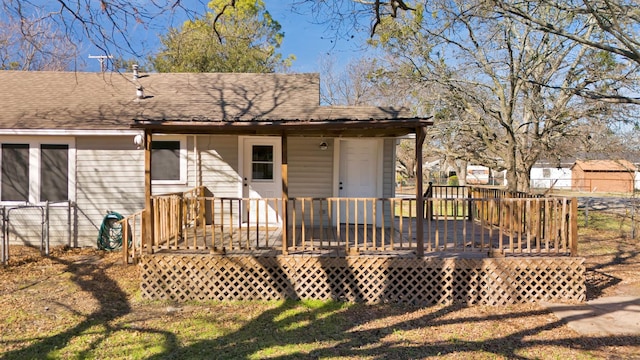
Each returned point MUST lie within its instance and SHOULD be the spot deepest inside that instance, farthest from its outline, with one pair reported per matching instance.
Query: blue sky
(304, 38)
(311, 41)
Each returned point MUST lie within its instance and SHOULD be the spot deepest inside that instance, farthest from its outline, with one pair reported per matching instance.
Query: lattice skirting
(492, 281)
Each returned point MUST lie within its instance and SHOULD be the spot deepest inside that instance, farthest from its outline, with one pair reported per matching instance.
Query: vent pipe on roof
(140, 92)
(135, 71)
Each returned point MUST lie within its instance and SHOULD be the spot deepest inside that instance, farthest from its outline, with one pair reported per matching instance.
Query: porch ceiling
(331, 128)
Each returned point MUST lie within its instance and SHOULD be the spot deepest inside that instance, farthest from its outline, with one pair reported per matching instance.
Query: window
(15, 172)
(54, 172)
(168, 161)
(546, 173)
(36, 171)
(262, 162)
(165, 160)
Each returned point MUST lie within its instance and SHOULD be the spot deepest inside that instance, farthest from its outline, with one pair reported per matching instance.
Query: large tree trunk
(523, 177)
(462, 172)
(512, 169)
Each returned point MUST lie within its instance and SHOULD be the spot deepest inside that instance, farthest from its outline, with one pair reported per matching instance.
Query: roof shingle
(605, 165)
(80, 100)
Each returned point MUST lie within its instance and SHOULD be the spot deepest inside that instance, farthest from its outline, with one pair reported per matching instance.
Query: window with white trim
(54, 172)
(168, 160)
(36, 170)
(262, 162)
(15, 172)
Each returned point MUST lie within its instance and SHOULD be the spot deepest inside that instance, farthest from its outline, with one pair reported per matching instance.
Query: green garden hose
(110, 234)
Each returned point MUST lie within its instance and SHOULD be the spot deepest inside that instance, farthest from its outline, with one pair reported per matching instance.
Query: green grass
(449, 208)
(298, 330)
(250, 330)
(599, 220)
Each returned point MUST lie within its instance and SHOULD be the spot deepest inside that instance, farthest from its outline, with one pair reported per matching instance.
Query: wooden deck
(475, 250)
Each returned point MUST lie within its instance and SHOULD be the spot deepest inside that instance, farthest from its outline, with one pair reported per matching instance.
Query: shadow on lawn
(113, 304)
(597, 279)
(278, 331)
(330, 330)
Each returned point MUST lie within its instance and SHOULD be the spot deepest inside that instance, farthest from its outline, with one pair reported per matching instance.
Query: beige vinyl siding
(219, 164)
(389, 168)
(110, 176)
(310, 175)
(310, 169)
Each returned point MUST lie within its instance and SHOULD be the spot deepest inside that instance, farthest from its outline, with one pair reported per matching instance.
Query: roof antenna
(102, 60)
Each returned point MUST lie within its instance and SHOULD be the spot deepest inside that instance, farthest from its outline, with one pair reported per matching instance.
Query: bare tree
(110, 26)
(34, 46)
(617, 21)
(355, 84)
(113, 27)
(509, 91)
(347, 16)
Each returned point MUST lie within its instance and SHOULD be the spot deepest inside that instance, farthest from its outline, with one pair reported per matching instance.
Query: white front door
(261, 179)
(359, 177)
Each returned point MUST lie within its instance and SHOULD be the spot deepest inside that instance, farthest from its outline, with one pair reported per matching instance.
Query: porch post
(285, 193)
(420, 136)
(573, 223)
(147, 236)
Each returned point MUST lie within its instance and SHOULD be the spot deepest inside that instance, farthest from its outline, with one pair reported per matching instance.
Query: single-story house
(603, 176)
(74, 141)
(301, 199)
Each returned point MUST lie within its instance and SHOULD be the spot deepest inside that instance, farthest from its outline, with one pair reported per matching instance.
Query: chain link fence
(37, 225)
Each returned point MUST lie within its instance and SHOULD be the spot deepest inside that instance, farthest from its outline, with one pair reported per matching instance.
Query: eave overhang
(330, 128)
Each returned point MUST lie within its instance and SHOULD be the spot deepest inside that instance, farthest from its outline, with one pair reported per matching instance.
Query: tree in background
(350, 86)
(32, 45)
(243, 38)
(617, 20)
(509, 91)
(111, 27)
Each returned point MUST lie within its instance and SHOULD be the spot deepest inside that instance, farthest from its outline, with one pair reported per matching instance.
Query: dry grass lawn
(83, 303)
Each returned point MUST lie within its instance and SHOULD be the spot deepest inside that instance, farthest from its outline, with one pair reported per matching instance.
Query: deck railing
(494, 225)
(132, 229)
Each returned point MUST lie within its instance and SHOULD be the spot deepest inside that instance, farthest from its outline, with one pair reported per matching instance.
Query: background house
(547, 175)
(603, 176)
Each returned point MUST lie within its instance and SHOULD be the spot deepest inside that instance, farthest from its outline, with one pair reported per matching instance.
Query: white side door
(359, 177)
(261, 179)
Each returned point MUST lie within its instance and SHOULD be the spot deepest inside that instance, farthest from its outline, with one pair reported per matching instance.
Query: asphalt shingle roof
(605, 165)
(80, 100)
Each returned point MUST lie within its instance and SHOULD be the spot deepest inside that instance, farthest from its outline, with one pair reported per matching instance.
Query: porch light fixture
(138, 140)
(323, 146)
